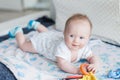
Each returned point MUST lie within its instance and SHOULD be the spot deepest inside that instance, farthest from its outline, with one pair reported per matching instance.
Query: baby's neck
(74, 55)
(74, 51)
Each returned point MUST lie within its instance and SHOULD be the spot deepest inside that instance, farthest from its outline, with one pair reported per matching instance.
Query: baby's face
(77, 34)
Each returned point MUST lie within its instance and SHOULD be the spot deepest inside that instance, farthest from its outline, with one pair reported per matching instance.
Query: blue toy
(114, 74)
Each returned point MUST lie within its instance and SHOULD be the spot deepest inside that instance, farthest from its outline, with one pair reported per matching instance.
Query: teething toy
(85, 75)
(83, 69)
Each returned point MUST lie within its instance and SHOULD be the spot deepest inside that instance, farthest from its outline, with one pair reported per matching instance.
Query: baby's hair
(77, 16)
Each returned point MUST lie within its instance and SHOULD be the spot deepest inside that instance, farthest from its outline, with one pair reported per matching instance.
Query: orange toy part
(83, 69)
(75, 77)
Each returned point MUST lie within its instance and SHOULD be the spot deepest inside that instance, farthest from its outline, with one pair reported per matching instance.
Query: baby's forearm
(68, 67)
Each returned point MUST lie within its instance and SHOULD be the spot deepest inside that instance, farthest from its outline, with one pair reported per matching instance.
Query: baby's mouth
(74, 45)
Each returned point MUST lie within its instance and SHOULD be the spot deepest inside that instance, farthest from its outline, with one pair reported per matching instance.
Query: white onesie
(45, 43)
(51, 44)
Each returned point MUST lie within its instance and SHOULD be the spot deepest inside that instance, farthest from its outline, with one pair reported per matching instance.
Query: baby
(64, 48)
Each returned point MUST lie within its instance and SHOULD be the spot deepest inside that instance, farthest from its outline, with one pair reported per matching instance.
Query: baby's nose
(76, 40)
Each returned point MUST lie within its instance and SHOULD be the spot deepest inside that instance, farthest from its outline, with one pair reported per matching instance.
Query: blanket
(29, 66)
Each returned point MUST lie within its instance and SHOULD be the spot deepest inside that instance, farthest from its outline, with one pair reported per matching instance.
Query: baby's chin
(75, 48)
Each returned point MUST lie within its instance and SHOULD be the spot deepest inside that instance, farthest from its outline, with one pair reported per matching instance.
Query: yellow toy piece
(89, 77)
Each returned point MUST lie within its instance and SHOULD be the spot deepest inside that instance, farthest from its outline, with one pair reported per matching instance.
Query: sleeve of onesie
(62, 52)
(86, 52)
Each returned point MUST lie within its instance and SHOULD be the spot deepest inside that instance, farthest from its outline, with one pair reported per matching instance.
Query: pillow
(104, 15)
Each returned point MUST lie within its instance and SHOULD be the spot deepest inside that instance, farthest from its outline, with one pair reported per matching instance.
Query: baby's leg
(37, 26)
(22, 42)
(41, 28)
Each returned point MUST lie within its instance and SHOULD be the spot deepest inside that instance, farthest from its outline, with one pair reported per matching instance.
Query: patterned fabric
(104, 15)
(28, 66)
(5, 73)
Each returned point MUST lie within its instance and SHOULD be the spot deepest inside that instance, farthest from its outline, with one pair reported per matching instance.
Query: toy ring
(83, 69)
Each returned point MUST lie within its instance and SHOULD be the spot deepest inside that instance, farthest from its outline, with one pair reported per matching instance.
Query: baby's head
(77, 31)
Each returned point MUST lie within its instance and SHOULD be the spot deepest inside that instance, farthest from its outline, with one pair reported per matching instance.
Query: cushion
(104, 15)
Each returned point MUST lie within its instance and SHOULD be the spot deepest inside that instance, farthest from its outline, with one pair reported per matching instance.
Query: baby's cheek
(82, 45)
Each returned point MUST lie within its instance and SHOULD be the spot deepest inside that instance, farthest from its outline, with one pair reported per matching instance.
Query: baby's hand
(92, 68)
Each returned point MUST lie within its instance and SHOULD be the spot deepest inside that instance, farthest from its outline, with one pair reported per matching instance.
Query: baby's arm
(67, 66)
(94, 62)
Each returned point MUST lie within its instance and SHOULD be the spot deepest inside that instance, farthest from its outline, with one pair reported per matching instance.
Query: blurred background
(10, 9)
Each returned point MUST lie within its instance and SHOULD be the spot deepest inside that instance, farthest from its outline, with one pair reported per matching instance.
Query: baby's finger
(93, 70)
(89, 68)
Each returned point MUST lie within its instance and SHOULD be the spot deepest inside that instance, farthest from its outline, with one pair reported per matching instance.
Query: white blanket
(29, 66)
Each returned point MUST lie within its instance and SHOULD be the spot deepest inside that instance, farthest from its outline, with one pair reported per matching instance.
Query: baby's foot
(33, 24)
(12, 33)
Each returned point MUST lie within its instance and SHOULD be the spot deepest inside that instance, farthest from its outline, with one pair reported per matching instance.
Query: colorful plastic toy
(85, 75)
(83, 69)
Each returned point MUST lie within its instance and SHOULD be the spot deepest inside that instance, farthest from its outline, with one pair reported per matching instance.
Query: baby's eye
(71, 35)
(81, 37)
